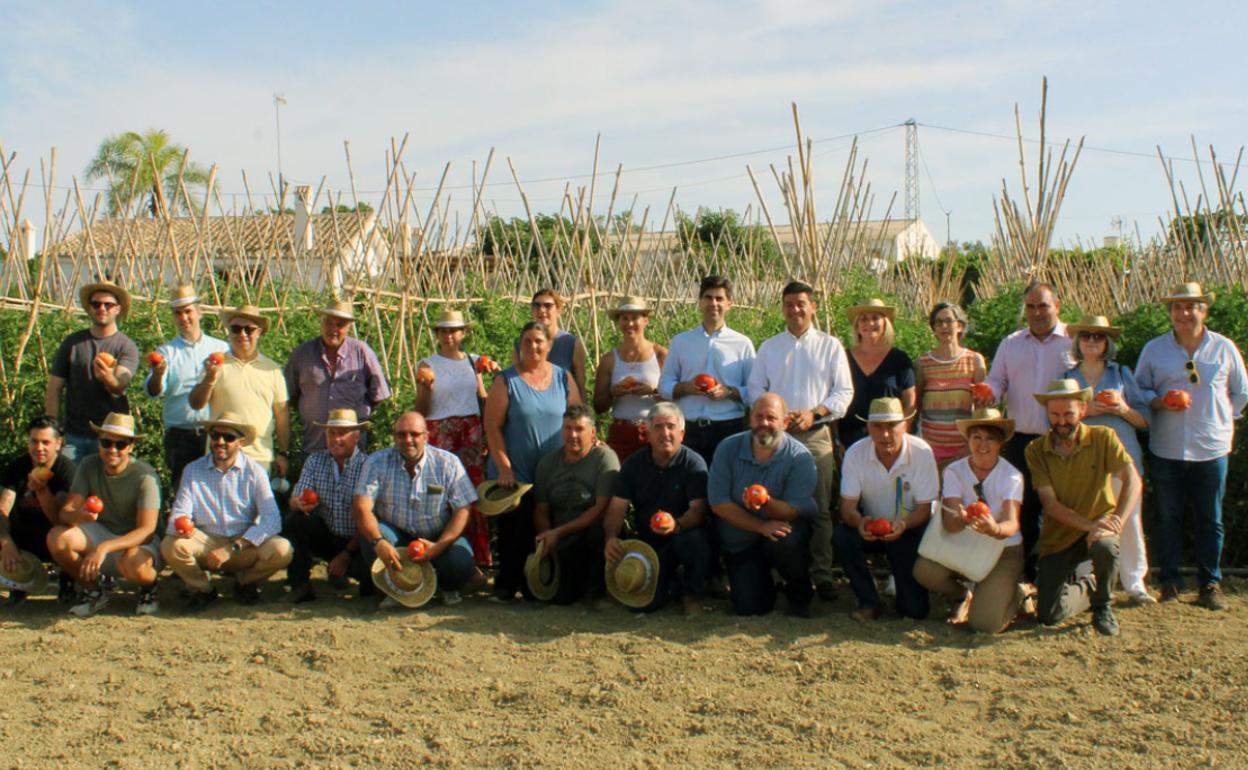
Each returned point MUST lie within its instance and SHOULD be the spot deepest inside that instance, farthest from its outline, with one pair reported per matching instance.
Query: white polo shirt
(1004, 483)
(890, 493)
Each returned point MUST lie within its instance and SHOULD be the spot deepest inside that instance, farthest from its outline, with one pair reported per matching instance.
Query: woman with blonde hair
(878, 369)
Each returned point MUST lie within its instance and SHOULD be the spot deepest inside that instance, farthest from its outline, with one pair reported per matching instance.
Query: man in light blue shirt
(1190, 438)
(178, 371)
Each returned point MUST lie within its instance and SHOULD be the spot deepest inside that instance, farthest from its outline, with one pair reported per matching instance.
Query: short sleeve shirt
(420, 504)
(890, 493)
(13, 478)
(86, 398)
(251, 389)
(137, 488)
(789, 475)
(1005, 482)
(1082, 481)
(651, 488)
(571, 489)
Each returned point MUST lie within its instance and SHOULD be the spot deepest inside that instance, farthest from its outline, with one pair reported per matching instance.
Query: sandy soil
(337, 684)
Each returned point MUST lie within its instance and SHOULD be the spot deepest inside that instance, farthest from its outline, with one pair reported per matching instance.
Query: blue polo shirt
(789, 475)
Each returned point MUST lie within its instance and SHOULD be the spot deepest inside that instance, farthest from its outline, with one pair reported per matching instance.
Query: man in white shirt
(809, 369)
(888, 483)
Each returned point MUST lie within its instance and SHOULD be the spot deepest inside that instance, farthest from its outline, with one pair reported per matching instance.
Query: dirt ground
(339, 684)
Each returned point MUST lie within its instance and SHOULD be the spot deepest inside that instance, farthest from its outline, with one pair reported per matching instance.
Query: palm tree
(137, 166)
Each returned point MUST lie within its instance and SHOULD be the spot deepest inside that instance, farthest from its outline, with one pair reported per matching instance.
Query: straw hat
(1064, 389)
(413, 585)
(232, 420)
(30, 576)
(249, 312)
(630, 305)
(1094, 323)
(116, 424)
(1190, 292)
(873, 305)
(634, 579)
(988, 416)
(183, 295)
(339, 308)
(342, 418)
(541, 572)
(886, 410)
(123, 296)
(451, 319)
(493, 499)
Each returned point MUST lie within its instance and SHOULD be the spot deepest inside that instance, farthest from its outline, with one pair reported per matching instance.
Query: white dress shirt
(1024, 366)
(725, 354)
(807, 371)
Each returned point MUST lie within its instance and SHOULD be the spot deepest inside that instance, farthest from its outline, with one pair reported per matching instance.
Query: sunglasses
(240, 329)
(120, 445)
(1193, 376)
(1094, 336)
(228, 438)
(979, 491)
(103, 305)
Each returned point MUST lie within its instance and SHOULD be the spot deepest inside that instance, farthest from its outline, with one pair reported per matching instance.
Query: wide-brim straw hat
(1094, 323)
(29, 576)
(117, 424)
(630, 305)
(451, 319)
(541, 572)
(342, 418)
(123, 296)
(340, 308)
(231, 420)
(986, 417)
(634, 579)
(250, 312)
(183, 295)
(873, 305)
(886, 409)
(1190, 292)
(493, 499)
(413, 585)
(1066, 388)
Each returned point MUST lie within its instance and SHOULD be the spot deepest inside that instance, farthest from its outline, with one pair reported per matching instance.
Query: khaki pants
(997, 596)
(252, 564)
(819, 442)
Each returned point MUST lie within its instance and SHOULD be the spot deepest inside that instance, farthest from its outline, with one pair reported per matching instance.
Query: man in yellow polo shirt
(1073, 467)
(251, 386)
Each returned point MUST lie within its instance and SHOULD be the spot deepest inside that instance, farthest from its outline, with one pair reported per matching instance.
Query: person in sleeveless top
(566, 349)
(451, 404)
(943, 379)
(878, 369)
(523, 419)
(627, 379)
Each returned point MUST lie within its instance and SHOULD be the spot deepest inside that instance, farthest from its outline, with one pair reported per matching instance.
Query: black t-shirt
(894, 375)
(86, 398)
(651, 488)
(13, 476)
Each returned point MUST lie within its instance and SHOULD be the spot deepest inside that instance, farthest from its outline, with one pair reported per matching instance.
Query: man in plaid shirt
(319, 525)
(412, 491)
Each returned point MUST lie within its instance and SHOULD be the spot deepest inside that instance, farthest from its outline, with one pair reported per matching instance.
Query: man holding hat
(174, 376)
(1190, 436)
(767, 530)
(234, 520)
(1073, 467)
(320, 523)
(108, 521)
(333, 371)
(810, 370)
(92, 368)
(251, 386)
(413, 491)
(891, 477)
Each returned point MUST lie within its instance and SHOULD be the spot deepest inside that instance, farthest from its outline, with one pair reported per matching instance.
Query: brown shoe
(1169, 593)
(1212, 598)
(690, 606)
(867, 614)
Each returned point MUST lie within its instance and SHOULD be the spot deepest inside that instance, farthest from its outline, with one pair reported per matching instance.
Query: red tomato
(1107, 397)
(425, 375)
(41, 474)
(93, 504)
(628, 381)
(310, 497)
(977, 509)
(879, 527)
(155, 359)
(660, 521)
(981, 391)
(756, 496)
(705, 382)
(417, 549)
(106, 358)
(485, 364)
(183, 525)
(1177, 399)
(217, 358)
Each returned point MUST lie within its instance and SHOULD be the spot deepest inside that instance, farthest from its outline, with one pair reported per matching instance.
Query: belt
(705, 423)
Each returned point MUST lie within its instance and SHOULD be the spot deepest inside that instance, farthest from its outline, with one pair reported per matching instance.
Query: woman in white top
(985, 477)
(449, 391)
(627, 378)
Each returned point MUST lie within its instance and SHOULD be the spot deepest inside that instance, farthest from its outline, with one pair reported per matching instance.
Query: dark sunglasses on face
(1094, 336)
(1193, 376)
(103, 305)
(228, 438)
(120, 444)
(240, 329)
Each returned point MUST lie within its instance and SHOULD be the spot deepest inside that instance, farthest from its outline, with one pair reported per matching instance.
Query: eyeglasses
(240, 330)
(103, 305)
(945, 322)
(228, 438)
(1193, 376)
(120, 445)
(544, 305)
(1094, 336)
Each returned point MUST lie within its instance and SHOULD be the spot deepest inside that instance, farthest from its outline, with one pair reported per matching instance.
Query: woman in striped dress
(944, 376)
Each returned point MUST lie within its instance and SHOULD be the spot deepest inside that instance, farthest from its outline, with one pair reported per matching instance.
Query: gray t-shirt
(571, 489)
(86, 398)
(135, 489)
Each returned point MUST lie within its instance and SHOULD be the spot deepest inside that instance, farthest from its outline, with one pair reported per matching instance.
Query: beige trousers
(997, 597)
(819, 442)
(252, 564)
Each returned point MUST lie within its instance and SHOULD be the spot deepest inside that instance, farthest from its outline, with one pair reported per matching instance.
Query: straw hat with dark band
(342, 418)
(541, 572)
(122, 296)
(1094, 323)
(183, 295)
(1190, 292)
(340, 308)
(233, 422)
(886, 410)
(493, 499)
(988, 417)
(630, 305)
(248, 312)
(1064, 389)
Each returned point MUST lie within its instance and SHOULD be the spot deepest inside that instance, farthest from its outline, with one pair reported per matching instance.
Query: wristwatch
(376, 540)
(235, 546)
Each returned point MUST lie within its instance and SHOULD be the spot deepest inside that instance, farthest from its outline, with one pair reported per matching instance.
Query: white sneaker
(450, 598)
(147, 602)
(90, 602)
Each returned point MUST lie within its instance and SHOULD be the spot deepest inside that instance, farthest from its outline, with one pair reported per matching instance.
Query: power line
(1086, 147)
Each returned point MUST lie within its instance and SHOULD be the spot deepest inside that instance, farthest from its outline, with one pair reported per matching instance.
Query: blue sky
(663, 83)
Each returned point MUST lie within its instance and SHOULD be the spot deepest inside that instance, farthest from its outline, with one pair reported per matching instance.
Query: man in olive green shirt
(1073, 467)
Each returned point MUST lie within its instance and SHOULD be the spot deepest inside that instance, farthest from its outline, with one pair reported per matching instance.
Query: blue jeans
(851, 552)
(454, 567)
(78, 447)
(1178, 484)
(749, 571)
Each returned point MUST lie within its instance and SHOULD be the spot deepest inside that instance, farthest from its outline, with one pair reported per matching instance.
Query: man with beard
(768, 529)
(1073, 468)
